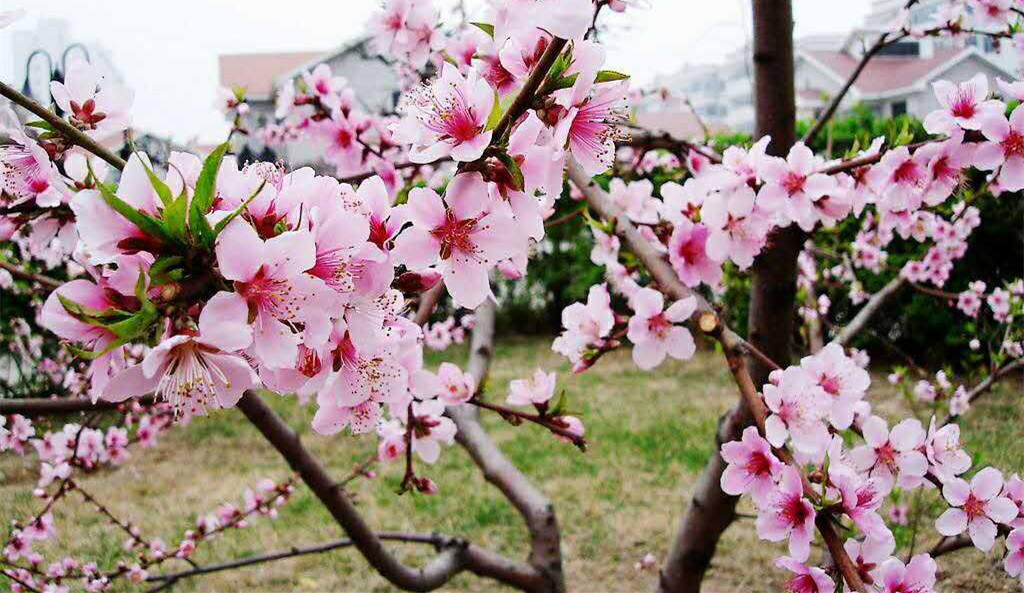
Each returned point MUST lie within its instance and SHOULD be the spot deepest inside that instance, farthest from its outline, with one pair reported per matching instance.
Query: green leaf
(513, 169)
(145, 223)
(610, 76)
(220, 226)
(41, 125)
(565, 82)
(159, 186)
(86, 314)
(486, 28)
(135, 326)
(174, 216)
(90, 355)
(206, 186)
(496, 113)
(164, 263)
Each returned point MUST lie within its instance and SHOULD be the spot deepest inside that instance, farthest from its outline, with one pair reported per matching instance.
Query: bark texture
(772, 304)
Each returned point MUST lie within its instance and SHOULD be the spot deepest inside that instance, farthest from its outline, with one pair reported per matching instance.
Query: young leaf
(513, 170)
(159, 186)
(206, 188)
(145, 223)
(610, 76)
(496, 112)
(174, 216)
(486, 28)
(42, 125)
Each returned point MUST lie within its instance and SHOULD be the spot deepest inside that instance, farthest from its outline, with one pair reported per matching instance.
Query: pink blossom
(918, 576)
(431, 429)
(589, 128)
(271, 286)
(654, 332)
(891, 457)
(1014, 490)
(459, 234)
(55, 318)
(945, 453)
(808, 579)
(457, 387)
(861, 500)
(26, 172)
(1014, 561)
(96, 106)
(797, 412)
(194, 372)
(791, 186)
(537, 390)
(689, 258)
(752, 467)
(963, 106)
(585, 325)
(104, 233)
(1004, 150)
(976, 508)
(788, 515)
(840, 379)
(635, 200)
(869, 554)
(447, 118)
(899, 514)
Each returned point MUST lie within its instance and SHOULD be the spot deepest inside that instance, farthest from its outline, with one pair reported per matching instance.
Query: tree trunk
(772, 303)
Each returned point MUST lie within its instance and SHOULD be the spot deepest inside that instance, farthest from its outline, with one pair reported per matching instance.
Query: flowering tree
(214, 282)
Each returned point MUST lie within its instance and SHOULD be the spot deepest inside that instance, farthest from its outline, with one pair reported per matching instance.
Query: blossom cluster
(810, 406)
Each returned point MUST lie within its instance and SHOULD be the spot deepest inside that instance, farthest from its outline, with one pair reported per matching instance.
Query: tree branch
(71, 133)
(732, 345)
(458, 555)
(537, 511)
(874, 304)
(17, 272)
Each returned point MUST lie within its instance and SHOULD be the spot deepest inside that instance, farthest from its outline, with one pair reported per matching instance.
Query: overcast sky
(167, 50)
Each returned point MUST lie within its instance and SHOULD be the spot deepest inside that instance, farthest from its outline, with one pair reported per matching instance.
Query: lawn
(649, 433)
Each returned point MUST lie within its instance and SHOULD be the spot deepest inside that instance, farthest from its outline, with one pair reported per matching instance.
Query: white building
(898, 80)
(374, 82)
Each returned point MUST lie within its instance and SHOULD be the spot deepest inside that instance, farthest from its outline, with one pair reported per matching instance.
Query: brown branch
(874, 304)
(438, 541)
(428, 302)
(986, 385)
(36, 407)
(527, 94)
(40, 279)
(830, 111)
(452, 559)
(536, 510)
(71, 133)
(517, 416)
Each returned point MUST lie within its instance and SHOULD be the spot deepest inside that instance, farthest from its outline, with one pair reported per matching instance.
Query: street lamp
(53, 73)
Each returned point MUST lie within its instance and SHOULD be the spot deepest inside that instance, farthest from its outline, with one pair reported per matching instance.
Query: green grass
(650, 435)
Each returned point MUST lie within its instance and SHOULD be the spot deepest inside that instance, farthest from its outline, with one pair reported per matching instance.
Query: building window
(902, 49)
(899, 108)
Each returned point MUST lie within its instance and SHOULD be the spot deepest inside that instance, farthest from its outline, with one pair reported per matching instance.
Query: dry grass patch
(650, 435)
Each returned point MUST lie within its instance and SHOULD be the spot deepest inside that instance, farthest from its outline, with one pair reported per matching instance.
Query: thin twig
(71, 133)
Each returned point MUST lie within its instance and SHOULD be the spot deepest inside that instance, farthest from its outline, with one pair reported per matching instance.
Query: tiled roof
(256, 72)
(883, 74)
(678, 124)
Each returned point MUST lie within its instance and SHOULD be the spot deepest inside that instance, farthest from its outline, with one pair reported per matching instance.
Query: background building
(897, 81)
(373, 80)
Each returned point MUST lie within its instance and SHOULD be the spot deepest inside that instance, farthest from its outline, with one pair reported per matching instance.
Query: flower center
(456, 235)
(963, 105)
(1013, 144)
